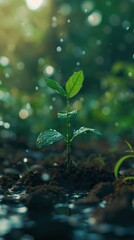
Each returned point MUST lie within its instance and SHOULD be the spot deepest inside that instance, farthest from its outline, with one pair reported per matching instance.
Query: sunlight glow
(35, 4)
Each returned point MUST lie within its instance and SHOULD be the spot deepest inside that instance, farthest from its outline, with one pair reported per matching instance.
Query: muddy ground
(40, 199)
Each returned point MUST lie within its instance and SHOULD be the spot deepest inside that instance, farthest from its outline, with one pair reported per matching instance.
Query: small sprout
(72, 87)
(129, 178)
(130, 148)
(121, 160)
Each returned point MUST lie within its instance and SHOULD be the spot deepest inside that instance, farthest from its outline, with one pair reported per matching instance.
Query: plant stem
(68, 137)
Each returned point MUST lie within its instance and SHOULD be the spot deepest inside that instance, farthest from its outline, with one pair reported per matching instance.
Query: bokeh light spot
(23, 113)
(95, 18)
(87, 6)
(35, 4)
(49, 70)
(4, 61)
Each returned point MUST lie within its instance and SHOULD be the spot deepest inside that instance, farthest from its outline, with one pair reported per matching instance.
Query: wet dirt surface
(40, 199)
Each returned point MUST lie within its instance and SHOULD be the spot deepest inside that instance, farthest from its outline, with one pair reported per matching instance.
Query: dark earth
(41, 200)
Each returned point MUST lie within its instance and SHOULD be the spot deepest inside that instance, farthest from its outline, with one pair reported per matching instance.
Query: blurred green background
(42, 39)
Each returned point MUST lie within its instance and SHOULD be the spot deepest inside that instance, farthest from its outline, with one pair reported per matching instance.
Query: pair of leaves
(51, 136)
(73, 85)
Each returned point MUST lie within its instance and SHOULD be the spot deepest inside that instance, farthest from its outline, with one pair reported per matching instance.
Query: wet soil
(45, 201)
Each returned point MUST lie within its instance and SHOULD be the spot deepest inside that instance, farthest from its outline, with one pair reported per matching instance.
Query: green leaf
(54, 85)
(129, 178)
(74, 84)
(48, 137)
(130, 147)
(118, 164)
(63, 115)
(84, 130)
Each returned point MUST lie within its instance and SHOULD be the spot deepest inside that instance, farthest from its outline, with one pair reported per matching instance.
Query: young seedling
(72, 87)
(121, 160)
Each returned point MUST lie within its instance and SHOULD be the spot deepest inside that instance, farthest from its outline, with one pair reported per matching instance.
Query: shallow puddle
(14, 219)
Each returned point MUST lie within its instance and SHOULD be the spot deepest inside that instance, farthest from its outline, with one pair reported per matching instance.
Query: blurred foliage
(52, 39)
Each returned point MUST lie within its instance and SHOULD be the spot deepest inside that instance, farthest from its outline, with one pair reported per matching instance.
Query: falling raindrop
(45, 177)
(68, 20)
(83, 52)
(50, 108)
(25, 160)
(130, 74)
(36, 88)
(78, 63)
(58, 49)
(61, 40)
(49, 70)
